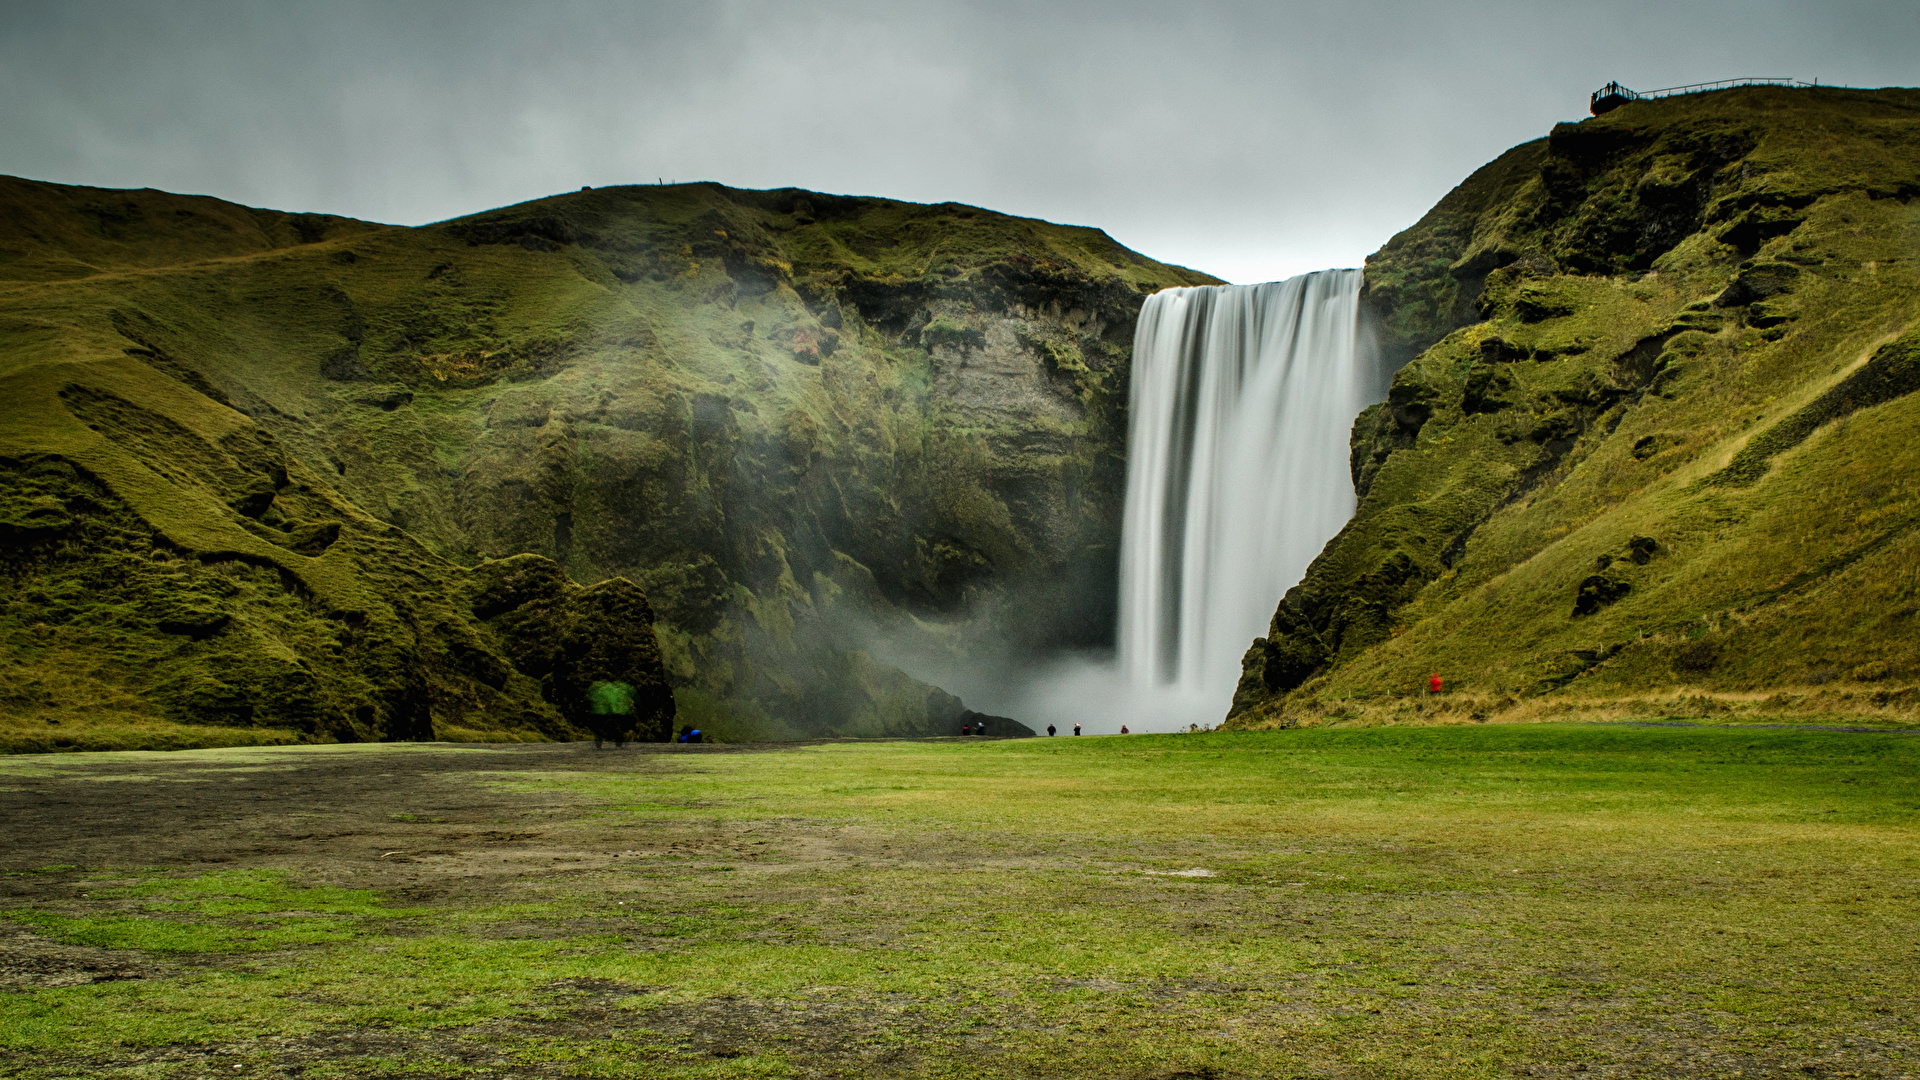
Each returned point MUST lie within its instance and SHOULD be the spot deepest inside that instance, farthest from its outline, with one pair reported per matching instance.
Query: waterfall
(1237, 469)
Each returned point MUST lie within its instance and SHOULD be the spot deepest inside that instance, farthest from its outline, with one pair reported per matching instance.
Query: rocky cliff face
(1653, 434)
(792, 421)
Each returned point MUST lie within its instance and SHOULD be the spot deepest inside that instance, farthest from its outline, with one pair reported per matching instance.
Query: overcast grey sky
(1250, 140)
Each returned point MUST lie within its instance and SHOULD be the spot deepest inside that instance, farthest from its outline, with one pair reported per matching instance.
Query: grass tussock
(1892, 707)
(41, 731)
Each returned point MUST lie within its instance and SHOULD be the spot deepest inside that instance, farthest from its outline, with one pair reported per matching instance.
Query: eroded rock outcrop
(592, 648)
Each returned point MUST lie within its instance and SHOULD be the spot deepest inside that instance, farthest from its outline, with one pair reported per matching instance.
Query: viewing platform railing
(1613, 95)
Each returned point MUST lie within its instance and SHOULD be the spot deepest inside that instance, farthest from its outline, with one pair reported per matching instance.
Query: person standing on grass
(1433, 682)
(1049, 731)
(1124, 731)
(1076, 727)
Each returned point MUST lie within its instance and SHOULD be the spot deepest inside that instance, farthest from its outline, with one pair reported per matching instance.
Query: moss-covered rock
(794, 422)
(592, 648)
(1654, 433)
(113, 620)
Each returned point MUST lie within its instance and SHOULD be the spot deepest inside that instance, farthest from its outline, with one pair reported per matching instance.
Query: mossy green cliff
(1655, 445)
(261, 470)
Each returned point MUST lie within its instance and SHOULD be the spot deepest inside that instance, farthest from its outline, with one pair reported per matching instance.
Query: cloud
(1252, 140)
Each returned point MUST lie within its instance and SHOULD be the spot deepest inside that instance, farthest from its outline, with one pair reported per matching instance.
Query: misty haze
(970, 540)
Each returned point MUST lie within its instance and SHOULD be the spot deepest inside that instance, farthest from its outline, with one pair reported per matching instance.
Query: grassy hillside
(256, 463)
(1655, 451)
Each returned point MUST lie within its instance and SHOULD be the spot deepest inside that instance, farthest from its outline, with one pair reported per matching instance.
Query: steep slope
(793, 421)
(1654, 449)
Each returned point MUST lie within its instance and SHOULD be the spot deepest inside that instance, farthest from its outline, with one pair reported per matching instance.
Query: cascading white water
(1237, 469)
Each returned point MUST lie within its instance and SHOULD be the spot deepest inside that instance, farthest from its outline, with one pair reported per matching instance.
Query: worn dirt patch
(29, 961)
(825, 936)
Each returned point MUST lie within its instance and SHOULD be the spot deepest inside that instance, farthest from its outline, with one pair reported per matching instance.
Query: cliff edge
(1652, 446)
(270, 476)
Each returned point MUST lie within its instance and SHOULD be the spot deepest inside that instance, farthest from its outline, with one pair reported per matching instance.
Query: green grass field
(1468, 901)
